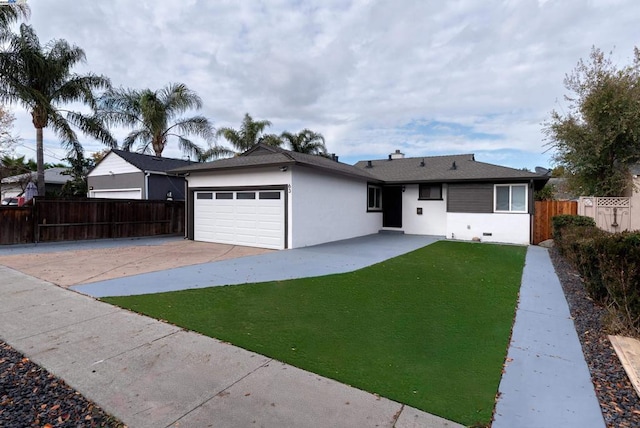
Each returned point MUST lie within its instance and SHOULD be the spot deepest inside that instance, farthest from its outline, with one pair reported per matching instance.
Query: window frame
(377, 198)
(420, 198)
(511, 210)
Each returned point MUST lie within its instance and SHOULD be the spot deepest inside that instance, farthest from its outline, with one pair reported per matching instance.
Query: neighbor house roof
(442, 169)
(51, 176)
(151, 163)
(262, 155)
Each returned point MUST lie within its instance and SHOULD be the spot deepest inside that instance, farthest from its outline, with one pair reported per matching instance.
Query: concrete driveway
(73, 263)
(324, 259)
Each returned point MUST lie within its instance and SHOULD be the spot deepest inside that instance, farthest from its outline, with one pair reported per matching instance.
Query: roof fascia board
(471, 180)
(230, 168)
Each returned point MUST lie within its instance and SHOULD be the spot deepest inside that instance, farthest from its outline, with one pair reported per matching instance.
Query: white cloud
(357, 71)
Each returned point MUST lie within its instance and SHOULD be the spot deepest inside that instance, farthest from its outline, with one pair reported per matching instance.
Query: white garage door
(254, 218)
(116, 193)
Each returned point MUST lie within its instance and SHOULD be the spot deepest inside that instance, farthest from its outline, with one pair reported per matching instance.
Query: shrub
(609, 265)
(584, 246)
(619, 264)
(561, 222)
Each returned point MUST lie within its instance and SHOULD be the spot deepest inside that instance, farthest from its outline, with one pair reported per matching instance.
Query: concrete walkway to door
(325, 259)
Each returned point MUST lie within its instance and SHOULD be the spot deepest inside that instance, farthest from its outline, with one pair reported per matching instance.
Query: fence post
(35, 222)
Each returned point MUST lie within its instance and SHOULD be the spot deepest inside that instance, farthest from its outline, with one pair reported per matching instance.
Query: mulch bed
(618, 400)
(30, 396)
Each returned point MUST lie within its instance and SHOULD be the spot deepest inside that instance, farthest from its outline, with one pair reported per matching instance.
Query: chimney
(369, 164)
(396, 155)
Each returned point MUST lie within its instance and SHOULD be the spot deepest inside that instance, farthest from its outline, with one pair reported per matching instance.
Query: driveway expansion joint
(538, 354)
(133, 348)
(547, 314)
(396, 416)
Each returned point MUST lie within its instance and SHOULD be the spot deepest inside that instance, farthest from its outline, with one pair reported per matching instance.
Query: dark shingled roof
(264, 155)
(442, 169)
(151, 163)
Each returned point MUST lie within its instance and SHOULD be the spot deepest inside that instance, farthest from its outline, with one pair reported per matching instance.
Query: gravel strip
(30, 396)
(618, 400)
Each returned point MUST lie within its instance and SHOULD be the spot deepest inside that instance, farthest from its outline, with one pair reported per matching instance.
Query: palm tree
(10, 13)
(306, 141)
(39, 78)
(155, 117)
(250, 133)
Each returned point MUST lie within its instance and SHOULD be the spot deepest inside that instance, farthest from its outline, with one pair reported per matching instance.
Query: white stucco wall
(433, 220)
(112, 164)
(507, 228)
(329, 208)
(238, 178)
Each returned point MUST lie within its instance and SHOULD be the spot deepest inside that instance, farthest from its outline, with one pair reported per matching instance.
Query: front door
(392, 206)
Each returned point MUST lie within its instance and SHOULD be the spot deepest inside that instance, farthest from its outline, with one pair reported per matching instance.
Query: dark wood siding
(470, 198)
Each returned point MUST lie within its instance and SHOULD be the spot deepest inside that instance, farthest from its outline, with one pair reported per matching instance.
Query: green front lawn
(429, 329)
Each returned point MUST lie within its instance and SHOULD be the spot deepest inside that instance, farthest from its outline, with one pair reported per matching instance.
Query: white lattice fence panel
(613, 213)
(618, 202)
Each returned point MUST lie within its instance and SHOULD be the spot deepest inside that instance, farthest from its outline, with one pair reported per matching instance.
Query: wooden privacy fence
(51, 220)
(544, 211)
(16, 225)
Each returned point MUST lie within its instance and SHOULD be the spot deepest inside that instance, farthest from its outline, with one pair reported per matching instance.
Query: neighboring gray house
(274, 198)
(127, 175)
(14, 186)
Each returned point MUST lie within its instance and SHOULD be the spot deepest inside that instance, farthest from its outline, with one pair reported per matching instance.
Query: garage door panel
(224, 210)
(230, 220)
(270, 227)
(250, 226)
(246, 216)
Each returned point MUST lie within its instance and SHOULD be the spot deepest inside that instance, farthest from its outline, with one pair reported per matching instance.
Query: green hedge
(560, 222)
(609, 265)
(619, 263)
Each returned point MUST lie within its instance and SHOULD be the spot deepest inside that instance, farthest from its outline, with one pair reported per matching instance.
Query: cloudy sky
(426, 77)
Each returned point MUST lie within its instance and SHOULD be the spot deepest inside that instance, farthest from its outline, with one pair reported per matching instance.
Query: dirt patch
(67, 268)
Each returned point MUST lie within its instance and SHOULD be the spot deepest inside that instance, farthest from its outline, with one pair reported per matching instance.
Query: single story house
(128, 175)
(274, 198)
(15, 185)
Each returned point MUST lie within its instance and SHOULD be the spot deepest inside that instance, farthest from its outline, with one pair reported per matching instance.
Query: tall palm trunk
(40, 161)
(40, 119)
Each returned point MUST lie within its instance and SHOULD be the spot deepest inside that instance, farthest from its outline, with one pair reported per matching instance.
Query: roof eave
(367, 177)
(193, 170)
(474, 180)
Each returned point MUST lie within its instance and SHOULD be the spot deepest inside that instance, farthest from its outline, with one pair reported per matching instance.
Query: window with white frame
(374, 198)
(510, 198)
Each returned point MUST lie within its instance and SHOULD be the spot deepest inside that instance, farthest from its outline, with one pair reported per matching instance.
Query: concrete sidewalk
(546, 382)
(152, 374)
(325, 259)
